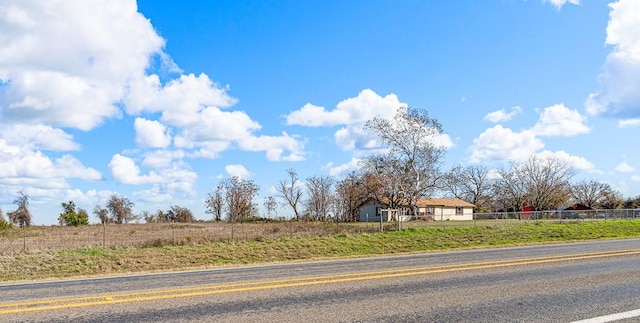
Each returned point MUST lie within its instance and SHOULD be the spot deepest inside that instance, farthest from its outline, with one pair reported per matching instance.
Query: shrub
(4, 224)
(73, 217)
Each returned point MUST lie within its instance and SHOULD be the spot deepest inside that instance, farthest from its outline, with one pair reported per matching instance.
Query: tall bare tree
(411, 167)
(215, 202)
(102, 214)
(271, 205)
(291, 192)
(21, 216)
(471, 184)
(509, 191)
(319, 196)
(351, 194)
(543, 183)
(179, 214)
(239, 195)
(612, 200)
(120, 209)
(590, 193)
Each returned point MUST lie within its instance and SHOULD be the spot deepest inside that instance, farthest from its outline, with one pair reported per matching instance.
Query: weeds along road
(550, 283)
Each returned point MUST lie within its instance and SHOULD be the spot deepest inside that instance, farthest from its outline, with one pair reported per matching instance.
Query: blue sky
(157, 101)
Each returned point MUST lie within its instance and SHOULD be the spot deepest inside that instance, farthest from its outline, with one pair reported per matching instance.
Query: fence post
(24, 237)
(104, 234)
(173, 232)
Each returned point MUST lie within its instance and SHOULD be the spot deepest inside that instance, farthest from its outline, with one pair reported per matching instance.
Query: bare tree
(319, 192)
(21, 216)
(471, 184)
(351, 194)
(612, 200)
(120, 209)
(549, 182)
(238, 198)
(291, 192)
(160, 216)
(590, 193)
(215, 202)
(179, 214)
(541, 183)
(509, 190)
(632, 202)
(148, 217)
(102, 214)
(411, 167)
(270, 205)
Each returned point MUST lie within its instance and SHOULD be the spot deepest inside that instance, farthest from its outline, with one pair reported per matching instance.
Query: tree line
(407, 167)
(410, 168)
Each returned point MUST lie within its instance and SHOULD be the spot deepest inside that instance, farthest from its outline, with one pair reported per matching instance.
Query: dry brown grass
(150, 247)
(49, 238)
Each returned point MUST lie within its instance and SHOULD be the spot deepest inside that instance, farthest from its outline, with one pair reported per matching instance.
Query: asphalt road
(549, 283)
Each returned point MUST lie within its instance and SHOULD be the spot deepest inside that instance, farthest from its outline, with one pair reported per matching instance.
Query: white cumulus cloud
(237, 170)
(502, 115)
(342, 170)
(502, 144)
(560, 3)
(352, 113)
(17, 162)
(68, 63)
(151, 133)
(624, 167)
(576, 162)
(125, 171)
(161, 158)
(275, 147)
(618, 93)
(558, 120)
(635, 122)
(38, 136)
(365, 106)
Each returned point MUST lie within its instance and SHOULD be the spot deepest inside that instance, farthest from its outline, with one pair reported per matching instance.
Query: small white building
(429, 209)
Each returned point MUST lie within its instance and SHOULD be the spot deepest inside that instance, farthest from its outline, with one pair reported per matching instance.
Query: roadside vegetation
(98, 261)
(324, 213)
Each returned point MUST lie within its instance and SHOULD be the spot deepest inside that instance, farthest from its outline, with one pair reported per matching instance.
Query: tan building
(430, 209)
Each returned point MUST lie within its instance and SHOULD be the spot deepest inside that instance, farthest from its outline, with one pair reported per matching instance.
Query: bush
(73, 217)
(4, 225)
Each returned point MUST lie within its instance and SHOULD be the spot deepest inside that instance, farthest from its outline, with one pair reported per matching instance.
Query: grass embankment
(105, 261)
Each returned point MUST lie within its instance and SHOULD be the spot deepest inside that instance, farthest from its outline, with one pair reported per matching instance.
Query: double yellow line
(109, 299)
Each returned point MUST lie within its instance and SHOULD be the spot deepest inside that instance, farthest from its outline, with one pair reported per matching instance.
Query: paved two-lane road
(551, 283)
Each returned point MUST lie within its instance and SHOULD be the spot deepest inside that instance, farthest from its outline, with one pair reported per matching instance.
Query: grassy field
(316, 241)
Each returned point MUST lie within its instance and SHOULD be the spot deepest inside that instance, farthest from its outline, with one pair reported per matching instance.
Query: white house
(429, 209)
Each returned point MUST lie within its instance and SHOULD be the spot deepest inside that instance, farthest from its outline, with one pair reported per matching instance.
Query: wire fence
(43, 238)
(47, 238)
(592, 214)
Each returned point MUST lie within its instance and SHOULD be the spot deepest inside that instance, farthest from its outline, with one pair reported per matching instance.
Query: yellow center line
(75, 302)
